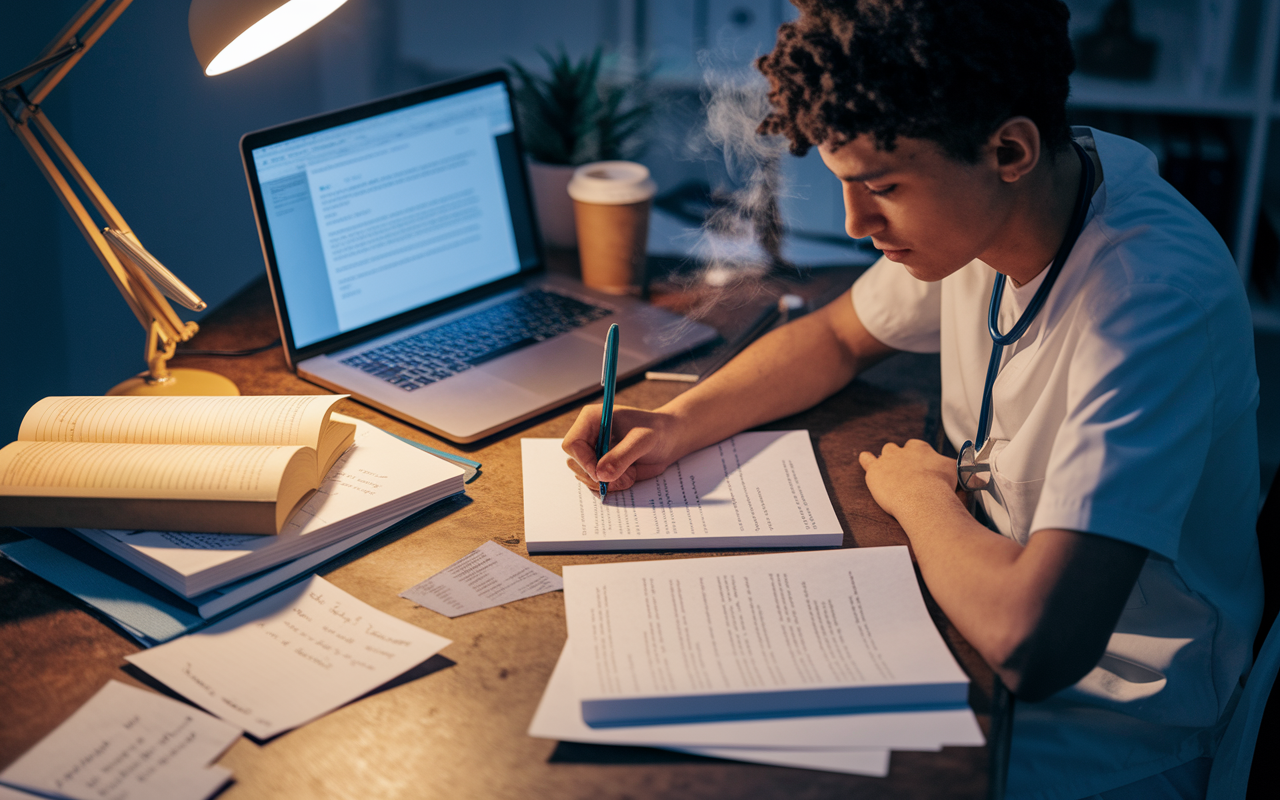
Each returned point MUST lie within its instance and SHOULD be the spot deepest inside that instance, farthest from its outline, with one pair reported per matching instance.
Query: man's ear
(1015, 146)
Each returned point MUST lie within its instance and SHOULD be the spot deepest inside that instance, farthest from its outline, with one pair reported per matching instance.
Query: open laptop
(406, 267)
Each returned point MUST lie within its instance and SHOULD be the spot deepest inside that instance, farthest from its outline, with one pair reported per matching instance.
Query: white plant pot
(550, 185)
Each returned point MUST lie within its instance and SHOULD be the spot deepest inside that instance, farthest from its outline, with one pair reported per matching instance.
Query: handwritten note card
(486, 577)
(290, 658)
(128, 744)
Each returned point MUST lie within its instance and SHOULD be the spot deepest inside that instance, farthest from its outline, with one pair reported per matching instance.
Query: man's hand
(643, 446)
(910, 480)
(1040, 615)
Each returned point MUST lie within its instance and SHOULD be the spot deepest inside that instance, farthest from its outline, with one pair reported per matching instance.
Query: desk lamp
(225, 34)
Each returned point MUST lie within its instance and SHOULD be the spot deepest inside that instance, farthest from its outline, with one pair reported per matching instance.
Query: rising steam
(735, 102)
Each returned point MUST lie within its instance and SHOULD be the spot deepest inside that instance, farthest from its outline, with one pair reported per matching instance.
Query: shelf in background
(1156, 98)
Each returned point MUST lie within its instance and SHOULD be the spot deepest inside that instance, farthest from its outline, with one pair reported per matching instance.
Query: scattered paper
(756, 489)
(127, 743)
(559, 717)
(290, 658)
(488, 576)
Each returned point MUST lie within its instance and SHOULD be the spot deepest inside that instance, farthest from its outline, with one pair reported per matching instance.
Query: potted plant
(569, 118)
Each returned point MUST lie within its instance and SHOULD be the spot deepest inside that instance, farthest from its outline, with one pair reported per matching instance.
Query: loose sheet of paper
(488, 576)
(127, 743)
(290, 658)
(716, 632)
(559, 716)
(756, 489)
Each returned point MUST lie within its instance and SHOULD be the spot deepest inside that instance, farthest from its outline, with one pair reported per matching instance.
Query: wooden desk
(456, 727)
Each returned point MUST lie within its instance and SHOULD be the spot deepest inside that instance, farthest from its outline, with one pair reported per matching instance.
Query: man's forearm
(1040, 615)
(787, 371)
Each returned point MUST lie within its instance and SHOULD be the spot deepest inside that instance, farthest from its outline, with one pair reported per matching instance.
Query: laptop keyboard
(438, 353)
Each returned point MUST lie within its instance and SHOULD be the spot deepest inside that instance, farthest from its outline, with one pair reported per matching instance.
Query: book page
(756, 623)
(379, 470)
(761, 488)
(127, 743)
(290, 658)
(265, 420)
(178, 472)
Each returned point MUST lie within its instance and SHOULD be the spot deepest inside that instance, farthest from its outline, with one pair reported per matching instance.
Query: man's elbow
(1035, 669)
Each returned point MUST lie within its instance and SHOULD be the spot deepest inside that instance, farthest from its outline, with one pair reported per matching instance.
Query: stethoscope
(968, 464)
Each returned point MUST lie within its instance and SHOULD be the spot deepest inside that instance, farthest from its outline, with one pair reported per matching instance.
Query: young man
(1117, 588)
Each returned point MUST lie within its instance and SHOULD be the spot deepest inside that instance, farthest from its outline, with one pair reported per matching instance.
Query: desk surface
(456, 726)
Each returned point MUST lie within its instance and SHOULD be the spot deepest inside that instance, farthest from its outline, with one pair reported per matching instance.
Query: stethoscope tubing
(1000, 340)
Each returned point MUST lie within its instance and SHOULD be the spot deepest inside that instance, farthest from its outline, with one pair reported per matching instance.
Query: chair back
(1229, 778)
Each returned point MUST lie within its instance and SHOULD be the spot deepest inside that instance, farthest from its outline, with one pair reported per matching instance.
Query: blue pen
(609, 380)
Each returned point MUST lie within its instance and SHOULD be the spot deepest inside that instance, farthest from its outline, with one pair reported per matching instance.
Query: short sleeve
(1130, 453)
(899, 310)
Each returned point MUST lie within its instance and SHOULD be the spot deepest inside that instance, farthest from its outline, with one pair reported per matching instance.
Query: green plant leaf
(572, 117)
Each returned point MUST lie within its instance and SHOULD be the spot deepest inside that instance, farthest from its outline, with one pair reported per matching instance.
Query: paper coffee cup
(611, 201)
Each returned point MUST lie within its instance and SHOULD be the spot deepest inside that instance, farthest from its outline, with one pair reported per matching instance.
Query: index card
(290, 658)
(491, 575)
(127, 743)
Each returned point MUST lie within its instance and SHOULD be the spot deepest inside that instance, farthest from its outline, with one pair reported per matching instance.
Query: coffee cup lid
(612, 183)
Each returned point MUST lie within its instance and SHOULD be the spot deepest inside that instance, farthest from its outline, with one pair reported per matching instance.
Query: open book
(208, 464)
(377, 482)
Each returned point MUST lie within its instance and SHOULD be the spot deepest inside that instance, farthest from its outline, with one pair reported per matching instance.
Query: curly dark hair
(950, 71)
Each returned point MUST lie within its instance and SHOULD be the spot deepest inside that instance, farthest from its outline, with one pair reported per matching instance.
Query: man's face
(924, 209)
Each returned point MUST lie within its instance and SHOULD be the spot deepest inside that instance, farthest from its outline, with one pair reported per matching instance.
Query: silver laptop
(406, 267)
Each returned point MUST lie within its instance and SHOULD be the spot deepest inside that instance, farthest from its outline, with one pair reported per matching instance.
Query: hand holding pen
(609, 380)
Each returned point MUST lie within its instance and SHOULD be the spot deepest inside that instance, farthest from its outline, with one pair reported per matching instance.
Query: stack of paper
(818, 660)
(159, 585)
(378, 481)
(756, 489)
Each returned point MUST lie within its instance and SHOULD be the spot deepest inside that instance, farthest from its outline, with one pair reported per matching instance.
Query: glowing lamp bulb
(230, 33)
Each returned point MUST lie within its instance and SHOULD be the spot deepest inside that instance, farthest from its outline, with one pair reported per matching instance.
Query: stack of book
(821, 660)
(164, 513)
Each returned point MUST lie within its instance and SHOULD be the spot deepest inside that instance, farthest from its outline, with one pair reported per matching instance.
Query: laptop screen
(372, 218)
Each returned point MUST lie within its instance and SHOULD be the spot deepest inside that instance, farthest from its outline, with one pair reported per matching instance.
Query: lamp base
(181, 382)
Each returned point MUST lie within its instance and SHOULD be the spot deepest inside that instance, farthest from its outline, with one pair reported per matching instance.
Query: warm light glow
(270, 32)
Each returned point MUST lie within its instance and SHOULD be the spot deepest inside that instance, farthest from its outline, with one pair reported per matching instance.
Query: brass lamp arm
(126, 261)
(15, 80)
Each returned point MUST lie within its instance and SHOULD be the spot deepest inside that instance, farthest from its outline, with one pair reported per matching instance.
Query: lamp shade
(230, 33)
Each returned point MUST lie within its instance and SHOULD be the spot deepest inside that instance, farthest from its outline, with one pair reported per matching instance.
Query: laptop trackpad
(556, 368)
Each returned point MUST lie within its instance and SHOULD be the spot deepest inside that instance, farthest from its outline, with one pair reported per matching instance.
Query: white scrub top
(1127, 410)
